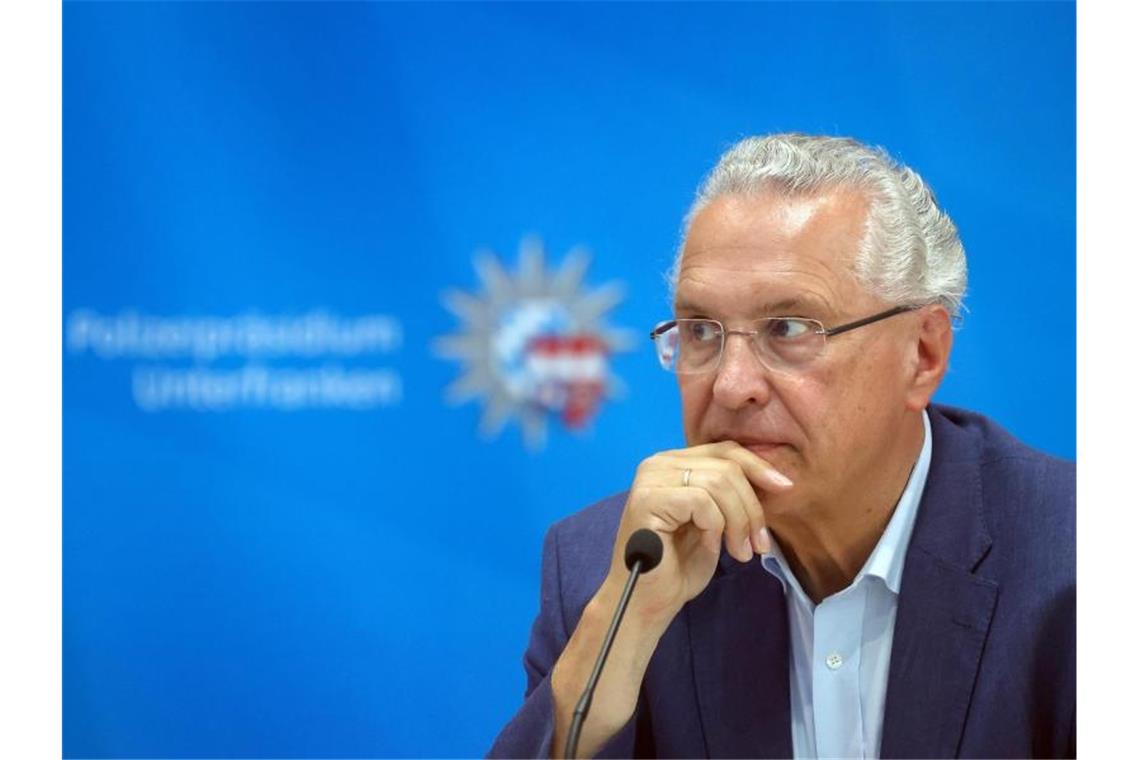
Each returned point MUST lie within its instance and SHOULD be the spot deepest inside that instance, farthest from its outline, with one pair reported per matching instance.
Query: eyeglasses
(691, 346)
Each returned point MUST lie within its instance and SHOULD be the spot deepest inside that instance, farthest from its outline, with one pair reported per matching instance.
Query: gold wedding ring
(685, 477)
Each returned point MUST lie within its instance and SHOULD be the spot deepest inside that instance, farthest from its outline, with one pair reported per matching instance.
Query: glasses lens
(699, 344)
(666, 344)
(792, 341)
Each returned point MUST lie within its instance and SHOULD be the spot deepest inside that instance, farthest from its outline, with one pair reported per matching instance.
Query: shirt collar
(887, 558)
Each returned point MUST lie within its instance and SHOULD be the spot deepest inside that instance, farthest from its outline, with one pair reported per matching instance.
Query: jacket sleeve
(530, 733)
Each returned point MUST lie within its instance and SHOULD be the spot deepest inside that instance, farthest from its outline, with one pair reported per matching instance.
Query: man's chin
(795, 502)
(776, 504)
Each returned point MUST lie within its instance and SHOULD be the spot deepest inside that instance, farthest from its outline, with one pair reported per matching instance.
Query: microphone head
(644, 545)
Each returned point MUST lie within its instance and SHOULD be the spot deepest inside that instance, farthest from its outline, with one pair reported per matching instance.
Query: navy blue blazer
(984, 656)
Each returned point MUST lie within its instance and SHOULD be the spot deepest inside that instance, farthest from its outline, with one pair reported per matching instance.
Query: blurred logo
(534, 344)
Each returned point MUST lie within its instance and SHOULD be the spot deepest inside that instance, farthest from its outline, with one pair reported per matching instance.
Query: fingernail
(780, 478)
(746, 549)
(763, 541)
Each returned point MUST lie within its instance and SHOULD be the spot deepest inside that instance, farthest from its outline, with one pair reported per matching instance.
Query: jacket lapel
(738, 629)
(944, 609)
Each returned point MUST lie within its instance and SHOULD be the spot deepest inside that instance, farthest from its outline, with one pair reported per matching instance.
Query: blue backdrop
(283, 534)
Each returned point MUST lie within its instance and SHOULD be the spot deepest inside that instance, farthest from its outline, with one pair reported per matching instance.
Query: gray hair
(910, 253)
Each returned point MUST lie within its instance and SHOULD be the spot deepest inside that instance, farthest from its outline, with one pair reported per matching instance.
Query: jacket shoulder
(975, 436)
(1028, 497)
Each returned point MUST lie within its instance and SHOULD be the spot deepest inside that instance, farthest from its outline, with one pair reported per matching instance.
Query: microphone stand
(583, 706)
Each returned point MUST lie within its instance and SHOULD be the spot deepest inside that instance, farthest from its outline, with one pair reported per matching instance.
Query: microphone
(643, 546)
(643, 552)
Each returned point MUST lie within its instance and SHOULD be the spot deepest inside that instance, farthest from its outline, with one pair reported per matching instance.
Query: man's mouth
(761, 447)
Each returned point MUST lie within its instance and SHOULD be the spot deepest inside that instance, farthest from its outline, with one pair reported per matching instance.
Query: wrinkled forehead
(776, 248)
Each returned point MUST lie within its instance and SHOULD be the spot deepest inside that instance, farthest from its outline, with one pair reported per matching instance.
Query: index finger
(759, 471)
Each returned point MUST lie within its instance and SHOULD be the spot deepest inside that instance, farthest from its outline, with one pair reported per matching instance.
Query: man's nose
(741, 378)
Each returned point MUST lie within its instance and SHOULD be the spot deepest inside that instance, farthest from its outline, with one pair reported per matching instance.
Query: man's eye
(702, 332)
(789, 329)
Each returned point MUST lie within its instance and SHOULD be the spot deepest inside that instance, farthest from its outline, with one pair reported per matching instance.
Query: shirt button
(834, 661)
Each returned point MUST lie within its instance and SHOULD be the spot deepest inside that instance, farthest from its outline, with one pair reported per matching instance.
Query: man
(848, 570)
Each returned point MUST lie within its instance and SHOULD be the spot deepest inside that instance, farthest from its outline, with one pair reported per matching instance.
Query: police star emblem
(534, 344)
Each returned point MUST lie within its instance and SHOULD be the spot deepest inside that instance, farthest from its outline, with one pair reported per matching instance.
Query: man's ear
(932, 355)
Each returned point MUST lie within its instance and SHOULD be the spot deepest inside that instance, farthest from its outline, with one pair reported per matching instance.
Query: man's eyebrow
(782, 307)
(688, 307)
(793, 304)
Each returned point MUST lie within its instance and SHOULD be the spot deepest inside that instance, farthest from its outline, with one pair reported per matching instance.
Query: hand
(719, 504)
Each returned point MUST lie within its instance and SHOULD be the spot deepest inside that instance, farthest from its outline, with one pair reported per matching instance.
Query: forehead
(758, 253)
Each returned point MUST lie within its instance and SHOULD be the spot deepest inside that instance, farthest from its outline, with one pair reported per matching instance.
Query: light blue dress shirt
(841, 648)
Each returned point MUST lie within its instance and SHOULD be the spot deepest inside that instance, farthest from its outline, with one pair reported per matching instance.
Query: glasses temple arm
(868, 320)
